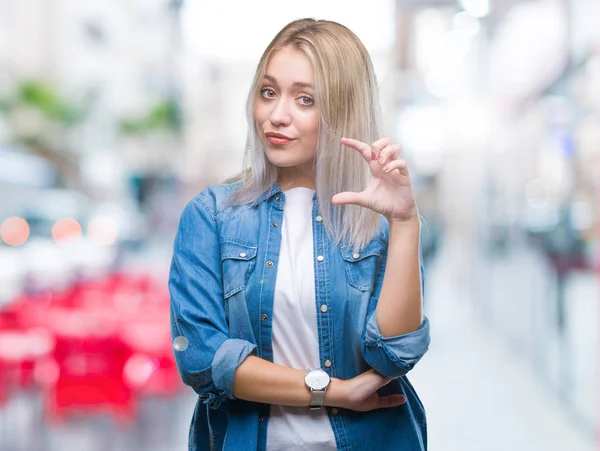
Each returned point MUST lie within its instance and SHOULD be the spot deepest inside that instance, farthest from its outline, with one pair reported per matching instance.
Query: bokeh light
(103, 231)
(66, 230)
(14, 231)
(139, 369)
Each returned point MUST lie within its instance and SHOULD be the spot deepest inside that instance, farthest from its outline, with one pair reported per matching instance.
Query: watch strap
(317, 399)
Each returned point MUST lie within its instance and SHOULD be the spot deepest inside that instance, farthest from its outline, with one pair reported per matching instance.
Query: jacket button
(273, 224)
(323, 308)
(278, 198)
(260, 419)
(319, 219)
(327, 363)
(270, 264)
(243, 254)
(180, 343)
(355, 256)
(320, 258)
(264, 317)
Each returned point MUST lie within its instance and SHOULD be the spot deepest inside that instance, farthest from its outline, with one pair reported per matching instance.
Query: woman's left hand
(390, 191)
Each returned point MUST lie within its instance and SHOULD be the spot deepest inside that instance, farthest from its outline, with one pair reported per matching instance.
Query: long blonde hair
(347, 98)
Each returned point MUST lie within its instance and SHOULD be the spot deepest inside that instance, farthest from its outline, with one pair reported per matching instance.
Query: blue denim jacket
(222, 282)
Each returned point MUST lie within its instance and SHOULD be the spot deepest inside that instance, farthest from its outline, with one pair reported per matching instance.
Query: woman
(296, 291)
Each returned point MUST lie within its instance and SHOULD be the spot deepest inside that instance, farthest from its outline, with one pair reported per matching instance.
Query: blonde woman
(296, 289)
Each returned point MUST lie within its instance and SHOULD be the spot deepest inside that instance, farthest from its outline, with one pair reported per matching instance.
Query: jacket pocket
(362, 267)
(238, 260)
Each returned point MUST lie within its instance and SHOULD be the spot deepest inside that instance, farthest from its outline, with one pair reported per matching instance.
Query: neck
(297, 176)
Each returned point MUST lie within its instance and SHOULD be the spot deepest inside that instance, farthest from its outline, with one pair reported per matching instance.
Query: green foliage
(163, 116)
(44, 98)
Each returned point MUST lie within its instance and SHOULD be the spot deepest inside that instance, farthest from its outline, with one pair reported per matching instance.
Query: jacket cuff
(228, 357)
(394, 356)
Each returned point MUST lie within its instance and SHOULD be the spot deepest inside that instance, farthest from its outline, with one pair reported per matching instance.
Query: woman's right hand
(360, 393)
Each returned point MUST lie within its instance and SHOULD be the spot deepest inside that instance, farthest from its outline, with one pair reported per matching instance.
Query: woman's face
(285, 115)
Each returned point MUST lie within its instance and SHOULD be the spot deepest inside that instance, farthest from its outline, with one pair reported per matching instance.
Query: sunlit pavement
(478, 395)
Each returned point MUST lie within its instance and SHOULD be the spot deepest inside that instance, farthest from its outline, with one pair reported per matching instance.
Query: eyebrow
(296, 84)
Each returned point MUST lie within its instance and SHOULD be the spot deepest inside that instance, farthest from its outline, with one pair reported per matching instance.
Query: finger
(381, 144)
(390, 153)
(396, 164)
(349, 198)
(378, 146)
(385, 402)
(363, 148)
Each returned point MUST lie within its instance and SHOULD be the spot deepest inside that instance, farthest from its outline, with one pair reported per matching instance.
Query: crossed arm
(217, 366)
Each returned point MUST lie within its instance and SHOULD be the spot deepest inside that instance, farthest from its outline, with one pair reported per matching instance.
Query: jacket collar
(273, 192)
(274, 195)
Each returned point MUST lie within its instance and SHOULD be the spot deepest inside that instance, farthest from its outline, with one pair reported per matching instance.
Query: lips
(278, 139)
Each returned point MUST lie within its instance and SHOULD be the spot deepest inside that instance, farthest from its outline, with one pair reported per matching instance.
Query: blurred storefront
(548, 237)
(499, 106)
(89, 140)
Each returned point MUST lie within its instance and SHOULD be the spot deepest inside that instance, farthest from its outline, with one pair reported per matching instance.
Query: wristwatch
(317, 382)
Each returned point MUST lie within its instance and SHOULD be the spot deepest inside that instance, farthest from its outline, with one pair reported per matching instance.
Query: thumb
(348, 198)
(384, 380)
(391, 401)
(375, 380)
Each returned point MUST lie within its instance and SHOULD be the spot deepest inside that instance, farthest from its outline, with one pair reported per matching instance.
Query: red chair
(20, 352)
(90, 369)
(110, 344)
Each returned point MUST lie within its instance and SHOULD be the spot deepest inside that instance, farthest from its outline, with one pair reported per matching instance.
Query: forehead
(289, 66)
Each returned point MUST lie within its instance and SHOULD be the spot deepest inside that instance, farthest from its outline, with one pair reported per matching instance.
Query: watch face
(317, 379)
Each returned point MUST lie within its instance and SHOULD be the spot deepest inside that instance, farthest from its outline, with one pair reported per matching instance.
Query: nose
(280, 115)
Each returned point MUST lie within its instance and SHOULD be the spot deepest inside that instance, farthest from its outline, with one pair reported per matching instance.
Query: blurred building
(498, 104)
(116, 62)
(213, 103)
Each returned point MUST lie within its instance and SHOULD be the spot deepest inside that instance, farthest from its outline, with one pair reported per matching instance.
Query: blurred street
(478, 392)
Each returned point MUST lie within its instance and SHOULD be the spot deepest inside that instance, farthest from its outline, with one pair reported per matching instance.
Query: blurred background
(114, 113)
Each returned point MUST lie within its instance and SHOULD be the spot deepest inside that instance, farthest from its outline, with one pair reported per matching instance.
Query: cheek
(310, 126)
(261, 113)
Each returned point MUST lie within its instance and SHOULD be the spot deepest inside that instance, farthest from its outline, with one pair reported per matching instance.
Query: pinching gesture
(390, 191)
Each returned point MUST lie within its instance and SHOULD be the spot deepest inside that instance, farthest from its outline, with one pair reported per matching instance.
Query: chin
(286, 161)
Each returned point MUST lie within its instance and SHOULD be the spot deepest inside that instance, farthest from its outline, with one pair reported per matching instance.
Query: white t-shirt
(295, 336)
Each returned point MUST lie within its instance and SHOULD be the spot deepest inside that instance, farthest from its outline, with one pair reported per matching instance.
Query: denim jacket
(222, 282)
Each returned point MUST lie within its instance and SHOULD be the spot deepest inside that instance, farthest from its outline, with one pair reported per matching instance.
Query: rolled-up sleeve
(206, 357)
(394, 356)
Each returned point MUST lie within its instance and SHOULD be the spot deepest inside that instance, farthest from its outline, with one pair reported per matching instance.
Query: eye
(267, 93)
(307, 100)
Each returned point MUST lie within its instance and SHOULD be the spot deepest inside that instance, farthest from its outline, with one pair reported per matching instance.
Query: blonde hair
(347, 98)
